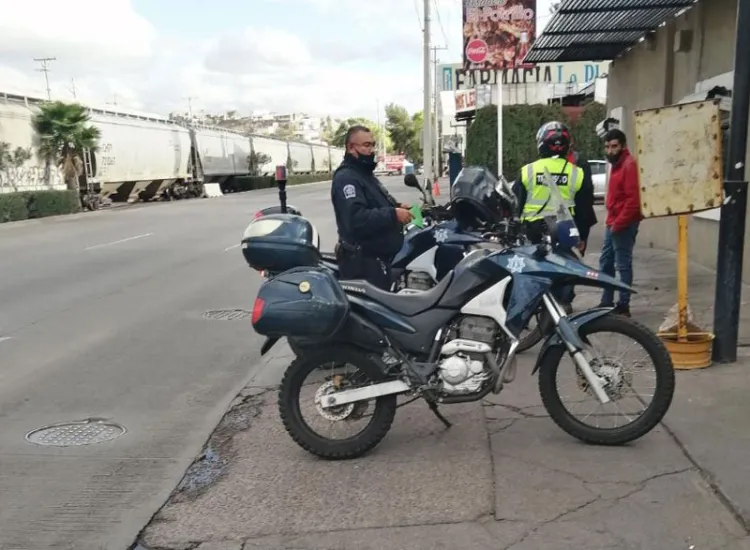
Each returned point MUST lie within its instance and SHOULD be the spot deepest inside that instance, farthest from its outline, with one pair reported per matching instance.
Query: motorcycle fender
(267, 345)
(576, 322)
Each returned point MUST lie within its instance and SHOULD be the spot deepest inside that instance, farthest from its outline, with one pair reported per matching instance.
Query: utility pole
(45, 69)
(427, 125)
(190, 105)
(734, 210)
(381, 131)
(436, 97)
(73, 88)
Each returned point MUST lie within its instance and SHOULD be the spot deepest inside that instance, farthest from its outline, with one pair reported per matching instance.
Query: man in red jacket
(623, 218)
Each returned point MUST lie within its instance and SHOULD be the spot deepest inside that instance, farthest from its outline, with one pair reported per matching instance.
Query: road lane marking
(118, 242)
(227, 249)
(4, 338)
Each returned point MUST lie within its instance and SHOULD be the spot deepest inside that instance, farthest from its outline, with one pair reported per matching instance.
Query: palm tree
(64, 133)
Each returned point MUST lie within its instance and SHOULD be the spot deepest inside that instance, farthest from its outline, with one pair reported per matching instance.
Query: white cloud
(114, 55)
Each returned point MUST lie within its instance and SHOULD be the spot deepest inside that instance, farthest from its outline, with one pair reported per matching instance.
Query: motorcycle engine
(419, 281)
(464, 372)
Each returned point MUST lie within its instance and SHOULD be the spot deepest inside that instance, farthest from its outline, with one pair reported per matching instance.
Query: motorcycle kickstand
(436, 412)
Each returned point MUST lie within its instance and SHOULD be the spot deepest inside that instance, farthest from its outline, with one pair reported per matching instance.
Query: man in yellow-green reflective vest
(574, 183)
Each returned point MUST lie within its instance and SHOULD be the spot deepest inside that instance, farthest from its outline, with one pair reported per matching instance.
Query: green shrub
(37, 204)
(13, 207)
(520, 124)
(251, 183)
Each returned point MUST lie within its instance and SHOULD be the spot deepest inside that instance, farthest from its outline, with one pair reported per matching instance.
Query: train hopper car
(30, 172)
(275, 151)
(138, 156)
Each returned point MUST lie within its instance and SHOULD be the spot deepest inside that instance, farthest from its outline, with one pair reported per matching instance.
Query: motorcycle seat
(405, 304)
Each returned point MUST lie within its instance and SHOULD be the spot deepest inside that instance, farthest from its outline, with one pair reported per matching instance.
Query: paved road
(102, 317)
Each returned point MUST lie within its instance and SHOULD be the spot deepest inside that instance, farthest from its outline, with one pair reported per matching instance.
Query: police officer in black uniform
(368, 218)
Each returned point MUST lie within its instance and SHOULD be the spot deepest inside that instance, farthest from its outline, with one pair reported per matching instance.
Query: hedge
(250, 183)
(24, 205)
(520, 124)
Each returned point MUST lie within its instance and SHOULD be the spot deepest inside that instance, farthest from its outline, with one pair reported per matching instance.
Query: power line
(419, 17)
(440, 22)
(45, 69)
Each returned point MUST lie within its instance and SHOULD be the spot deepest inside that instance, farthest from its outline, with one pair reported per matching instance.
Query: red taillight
(257, 310)
(258, 214)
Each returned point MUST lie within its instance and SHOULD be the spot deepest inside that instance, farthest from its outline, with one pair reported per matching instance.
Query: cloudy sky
(337, 57)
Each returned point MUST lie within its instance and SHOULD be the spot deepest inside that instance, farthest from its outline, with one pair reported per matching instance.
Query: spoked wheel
(639, 380)
(348, 431)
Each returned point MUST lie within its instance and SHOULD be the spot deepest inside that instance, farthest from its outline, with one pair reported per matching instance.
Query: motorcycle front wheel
(619, 384)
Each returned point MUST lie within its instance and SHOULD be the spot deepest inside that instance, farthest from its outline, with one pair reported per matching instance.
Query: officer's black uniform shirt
(365, 211)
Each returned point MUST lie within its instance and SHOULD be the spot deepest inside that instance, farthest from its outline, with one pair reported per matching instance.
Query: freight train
(144, 157)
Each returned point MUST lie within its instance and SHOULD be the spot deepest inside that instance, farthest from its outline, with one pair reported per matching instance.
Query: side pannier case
(277, 242)
(305, 302)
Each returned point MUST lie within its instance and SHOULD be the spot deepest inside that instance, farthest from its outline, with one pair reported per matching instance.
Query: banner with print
(498, 33)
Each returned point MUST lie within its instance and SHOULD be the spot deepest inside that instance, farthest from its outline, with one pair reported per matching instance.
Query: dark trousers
(534, 232)
(617, 255)
(374, 271)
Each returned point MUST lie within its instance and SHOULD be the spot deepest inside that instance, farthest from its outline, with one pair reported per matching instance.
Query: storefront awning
(600, 30)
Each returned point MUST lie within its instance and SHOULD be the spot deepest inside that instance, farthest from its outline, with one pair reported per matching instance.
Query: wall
(652, 75)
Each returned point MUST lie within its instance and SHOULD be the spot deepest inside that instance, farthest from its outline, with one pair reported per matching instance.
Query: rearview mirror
(410, 180)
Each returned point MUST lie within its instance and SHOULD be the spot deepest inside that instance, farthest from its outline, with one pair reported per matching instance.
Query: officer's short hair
(354, 130)
(616, 133)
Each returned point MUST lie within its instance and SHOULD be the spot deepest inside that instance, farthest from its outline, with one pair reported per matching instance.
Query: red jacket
(623, 195)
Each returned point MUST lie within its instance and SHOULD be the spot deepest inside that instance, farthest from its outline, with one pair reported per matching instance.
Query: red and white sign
(476, 50)
(393, 163)
(466, 100)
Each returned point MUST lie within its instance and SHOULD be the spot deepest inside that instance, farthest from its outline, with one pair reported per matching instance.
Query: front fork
(575, 346)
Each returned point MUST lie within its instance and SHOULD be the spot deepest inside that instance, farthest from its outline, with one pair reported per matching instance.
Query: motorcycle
(454, 343)
(431, 249)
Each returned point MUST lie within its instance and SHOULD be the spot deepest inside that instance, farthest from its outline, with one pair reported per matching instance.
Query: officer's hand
(404, 205)
(403, 216)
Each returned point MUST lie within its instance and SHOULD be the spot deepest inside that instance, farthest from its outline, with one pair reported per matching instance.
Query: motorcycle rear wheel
(655, 411)
(383, 412)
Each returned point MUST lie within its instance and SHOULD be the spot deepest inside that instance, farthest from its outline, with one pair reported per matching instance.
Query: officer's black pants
(534, 232)
(370, 269)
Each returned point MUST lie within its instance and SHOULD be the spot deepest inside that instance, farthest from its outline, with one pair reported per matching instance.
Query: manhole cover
(86, 432)
(228, 314)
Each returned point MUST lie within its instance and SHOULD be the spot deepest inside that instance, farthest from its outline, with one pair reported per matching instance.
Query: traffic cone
(435, 188)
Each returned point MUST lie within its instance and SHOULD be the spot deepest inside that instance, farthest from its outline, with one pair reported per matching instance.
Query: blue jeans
(617, 252)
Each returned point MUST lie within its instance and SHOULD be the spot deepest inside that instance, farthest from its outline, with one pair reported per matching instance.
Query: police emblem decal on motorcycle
(304, 287)
(441, 235)
(516, 264)
(350, 191)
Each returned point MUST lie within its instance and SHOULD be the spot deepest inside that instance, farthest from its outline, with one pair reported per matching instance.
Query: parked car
(599, 178)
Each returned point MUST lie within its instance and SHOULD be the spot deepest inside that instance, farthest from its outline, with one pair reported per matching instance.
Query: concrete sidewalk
(503, 477)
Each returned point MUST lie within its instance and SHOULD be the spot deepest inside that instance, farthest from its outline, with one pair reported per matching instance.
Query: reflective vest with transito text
(569, 181)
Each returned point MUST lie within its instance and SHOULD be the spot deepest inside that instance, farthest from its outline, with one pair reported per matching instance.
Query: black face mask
(367, 162)
(614, 158)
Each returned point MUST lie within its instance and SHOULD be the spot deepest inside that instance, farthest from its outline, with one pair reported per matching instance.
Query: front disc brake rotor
(616, 379)
(333, 414)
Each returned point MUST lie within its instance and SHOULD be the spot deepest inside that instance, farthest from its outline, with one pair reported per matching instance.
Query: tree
(64, 134)
(13, 160)
(286, 132)
(404, 131)
(255, 161)
(340, 133)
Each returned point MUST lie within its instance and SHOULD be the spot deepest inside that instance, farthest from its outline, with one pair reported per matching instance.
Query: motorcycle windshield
(562, 227)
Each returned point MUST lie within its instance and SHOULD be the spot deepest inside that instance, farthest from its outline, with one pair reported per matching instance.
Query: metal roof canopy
(600, 30)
